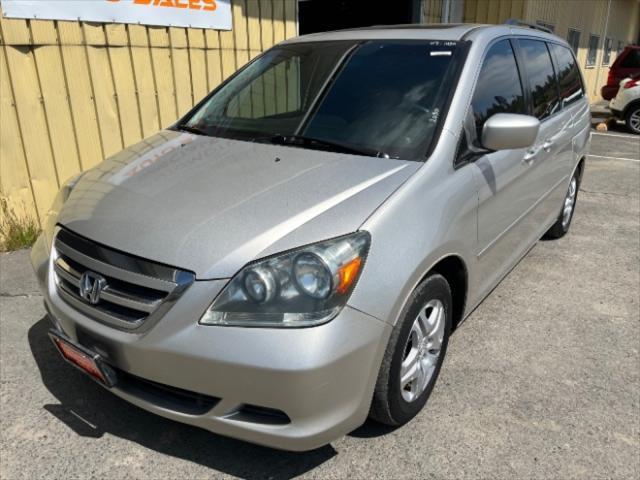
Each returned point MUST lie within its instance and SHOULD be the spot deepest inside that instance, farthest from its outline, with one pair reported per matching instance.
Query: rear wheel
(561, 227)
(632, 118)
(414, 354)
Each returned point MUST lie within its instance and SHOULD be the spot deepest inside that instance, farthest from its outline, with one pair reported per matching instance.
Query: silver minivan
(292, 256)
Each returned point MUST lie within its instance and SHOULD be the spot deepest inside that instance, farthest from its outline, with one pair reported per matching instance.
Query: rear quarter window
(569, 80)
(631, 59)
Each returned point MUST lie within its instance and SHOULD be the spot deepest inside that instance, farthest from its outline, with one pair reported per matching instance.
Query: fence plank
(278, 21)
(504, 11)
(240, 36)
(32, 123)
(82, 104)
(69, 33)
(161, 59)
(43, 32)
(492, 11)
(227, 53)
(143, 75)
(253, 28)
(125, 88)
(15, 31)
(163, 74)
(214, 59)
(58, 115)
(290, 18)
(180, 66)
(517, 9)
(104, 92)
(266, 24)
(15, 184)
(197, 64)
(116, 34)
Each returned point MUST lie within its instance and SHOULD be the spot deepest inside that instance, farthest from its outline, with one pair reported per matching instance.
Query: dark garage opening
(325, 15)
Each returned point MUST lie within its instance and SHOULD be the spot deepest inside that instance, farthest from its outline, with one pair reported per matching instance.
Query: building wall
(587, 16)
(74, 93)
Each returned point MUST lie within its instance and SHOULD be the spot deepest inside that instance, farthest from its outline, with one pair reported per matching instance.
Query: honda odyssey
(292, 256)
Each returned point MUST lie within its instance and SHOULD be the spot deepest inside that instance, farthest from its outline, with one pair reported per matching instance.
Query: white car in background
(626, 104)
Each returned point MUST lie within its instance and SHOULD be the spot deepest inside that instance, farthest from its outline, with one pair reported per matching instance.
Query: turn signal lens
(348, 274)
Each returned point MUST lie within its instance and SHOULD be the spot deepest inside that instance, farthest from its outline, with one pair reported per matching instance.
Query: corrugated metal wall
(492, 11)
(431, 11)
(473, 11)
(73, 93)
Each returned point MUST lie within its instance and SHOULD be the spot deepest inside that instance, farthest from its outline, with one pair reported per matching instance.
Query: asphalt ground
(541, 381)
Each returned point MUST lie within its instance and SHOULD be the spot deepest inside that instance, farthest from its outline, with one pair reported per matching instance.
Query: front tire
(414, 355)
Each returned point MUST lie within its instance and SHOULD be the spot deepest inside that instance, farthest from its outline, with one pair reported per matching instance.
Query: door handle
(530, 155)
(548, 143)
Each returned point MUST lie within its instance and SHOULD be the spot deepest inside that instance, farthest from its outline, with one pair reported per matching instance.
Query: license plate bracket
(85, 360)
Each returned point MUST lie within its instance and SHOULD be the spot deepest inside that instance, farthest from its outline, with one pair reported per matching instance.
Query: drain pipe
(604, 46)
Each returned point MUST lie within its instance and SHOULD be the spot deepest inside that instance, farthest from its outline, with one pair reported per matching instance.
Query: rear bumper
(320, 378)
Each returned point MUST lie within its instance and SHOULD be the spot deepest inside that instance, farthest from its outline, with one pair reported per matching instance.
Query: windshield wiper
(311, 142)
(192, 129)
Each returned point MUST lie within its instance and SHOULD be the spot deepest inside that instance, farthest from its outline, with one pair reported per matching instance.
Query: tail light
(631, 83)
(611, 79)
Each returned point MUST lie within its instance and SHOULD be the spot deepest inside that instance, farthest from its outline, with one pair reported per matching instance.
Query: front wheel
(414, 354)
(632, 119)
(563, 222)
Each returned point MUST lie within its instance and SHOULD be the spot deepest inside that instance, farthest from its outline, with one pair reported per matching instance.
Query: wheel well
(631, 105)
(454, 271)
(580, 169)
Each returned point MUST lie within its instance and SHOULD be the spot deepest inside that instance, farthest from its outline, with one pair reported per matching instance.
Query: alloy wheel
(634, 121)
(569, 203)
(422, 350)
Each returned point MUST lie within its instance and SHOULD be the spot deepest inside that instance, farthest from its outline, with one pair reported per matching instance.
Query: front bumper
(320, 378)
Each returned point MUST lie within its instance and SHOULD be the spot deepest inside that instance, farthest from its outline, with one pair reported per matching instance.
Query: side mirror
(505, 131)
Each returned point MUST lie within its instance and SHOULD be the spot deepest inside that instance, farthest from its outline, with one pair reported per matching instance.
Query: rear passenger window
(499, 89)
(568, 74)
(542, 78)
(631, 59)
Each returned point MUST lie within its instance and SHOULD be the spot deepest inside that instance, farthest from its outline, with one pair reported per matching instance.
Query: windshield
(380, 98)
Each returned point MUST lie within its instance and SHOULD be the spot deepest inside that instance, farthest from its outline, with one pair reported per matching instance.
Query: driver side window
(499, 88)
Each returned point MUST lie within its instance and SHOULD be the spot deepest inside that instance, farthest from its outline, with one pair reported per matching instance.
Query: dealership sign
(175, 13)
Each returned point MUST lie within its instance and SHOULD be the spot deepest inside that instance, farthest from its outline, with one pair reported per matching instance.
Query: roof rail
(521, 23)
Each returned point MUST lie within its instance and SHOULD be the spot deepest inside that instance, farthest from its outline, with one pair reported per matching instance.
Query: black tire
(560, 228)
(633, 112)
(388, 405)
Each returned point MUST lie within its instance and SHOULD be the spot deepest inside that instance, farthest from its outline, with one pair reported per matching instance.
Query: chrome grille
(137, 292)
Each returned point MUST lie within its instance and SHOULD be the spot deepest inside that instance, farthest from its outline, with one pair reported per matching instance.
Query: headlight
(300, 288)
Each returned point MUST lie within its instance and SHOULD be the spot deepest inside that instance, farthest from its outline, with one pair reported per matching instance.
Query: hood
(211, 205)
